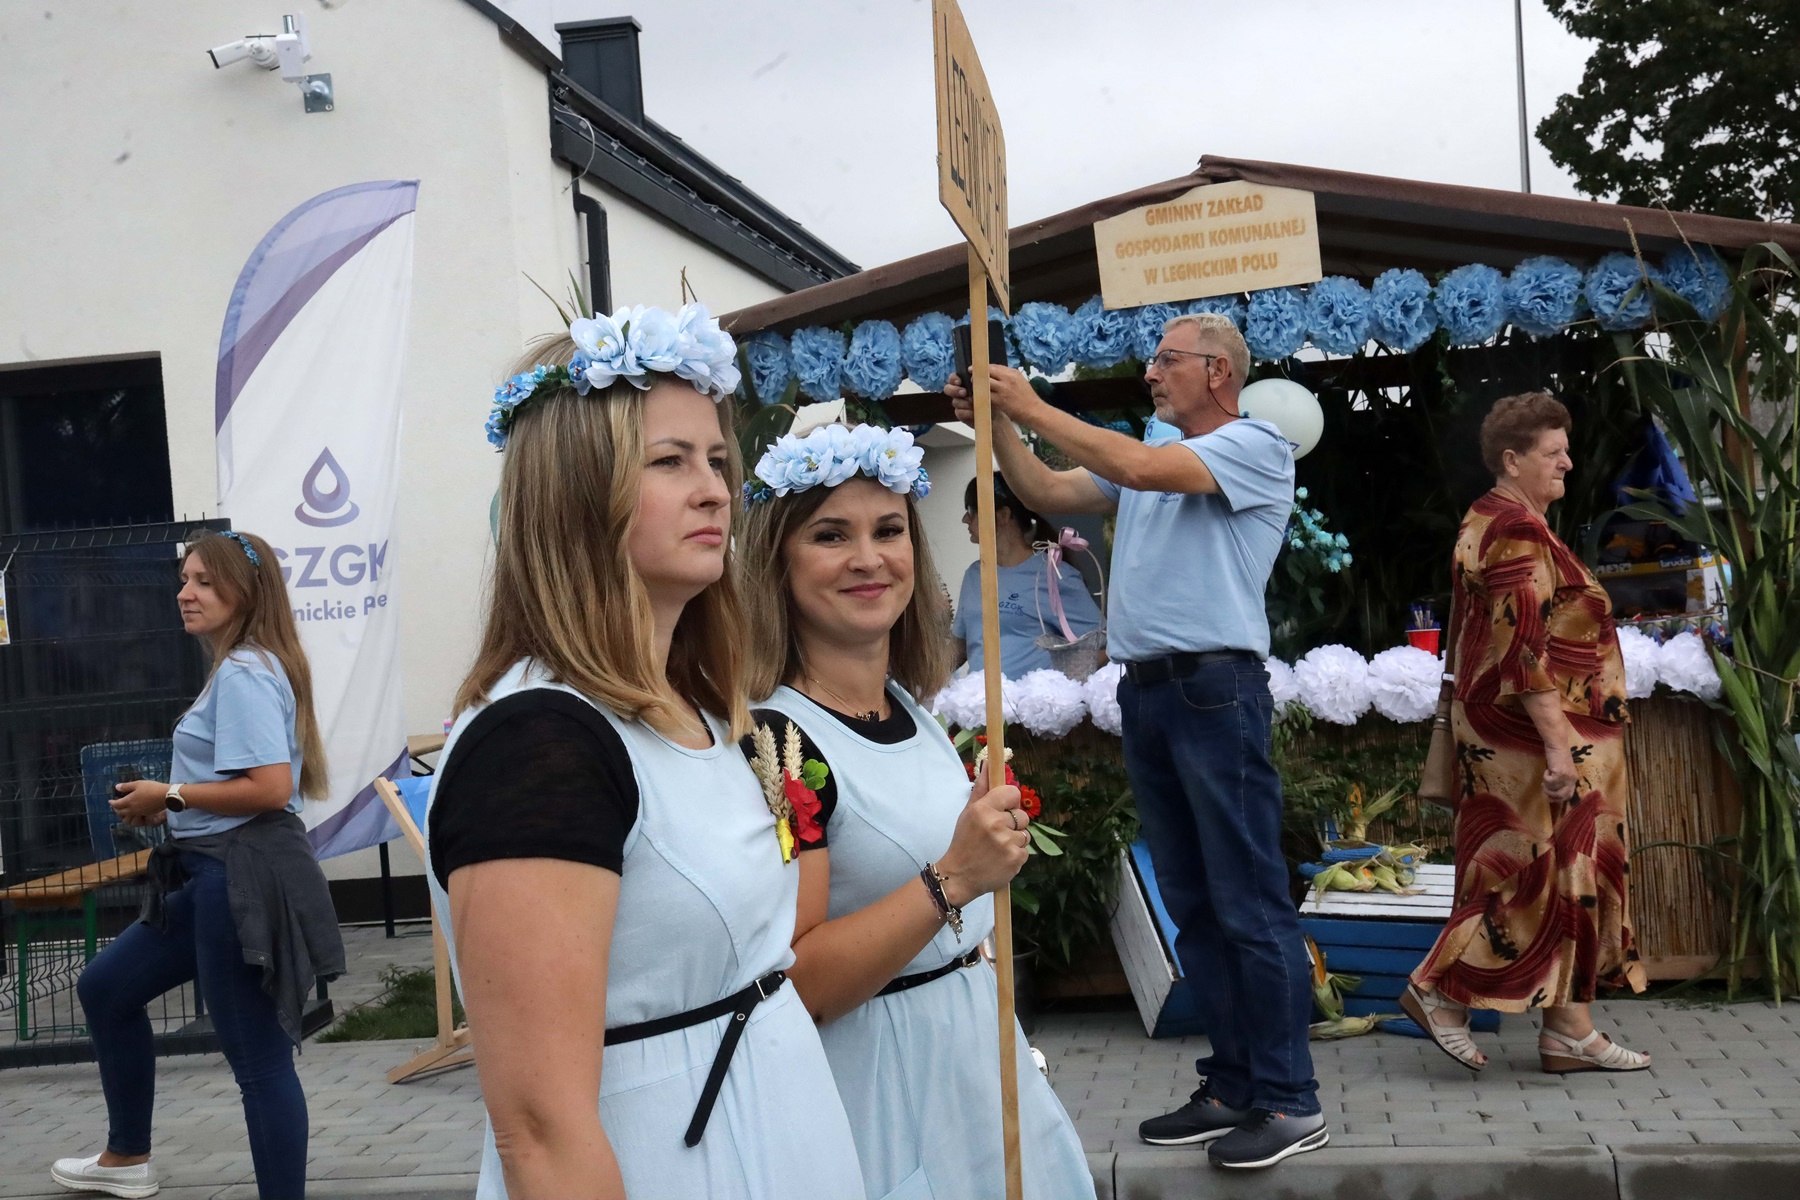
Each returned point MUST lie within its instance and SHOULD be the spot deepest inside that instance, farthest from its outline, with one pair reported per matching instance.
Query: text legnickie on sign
(1216, 240)
(971, 146)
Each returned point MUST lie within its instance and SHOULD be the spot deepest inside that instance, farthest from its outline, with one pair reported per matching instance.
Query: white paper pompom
(962, 702)
(1049, 702)
(1639, 651)
(1334, 684)
(1683, 663)
(1282, 688)
(1404, 682)
(1101, 694)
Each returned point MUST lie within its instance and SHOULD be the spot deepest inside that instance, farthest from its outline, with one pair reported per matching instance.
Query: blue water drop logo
(325, 494)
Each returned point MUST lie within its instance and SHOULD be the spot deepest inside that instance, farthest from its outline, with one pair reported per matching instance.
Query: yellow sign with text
(971, 146)
(1217, 240)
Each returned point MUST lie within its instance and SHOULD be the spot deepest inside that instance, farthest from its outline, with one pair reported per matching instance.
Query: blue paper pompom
(1275, 326)
(1337, 315)
(928, 351)
(1102, 338)
(872, 365)
(1225, 306)
(770, 368)
(1697, 276)
(1543, 295)
(1471, 304)
(1618, 290)
(1044, 334)
(818, 356)
(1401, 313)
(1147, 328)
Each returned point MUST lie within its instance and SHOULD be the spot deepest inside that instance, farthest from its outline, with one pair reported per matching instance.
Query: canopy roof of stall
(1367, 223)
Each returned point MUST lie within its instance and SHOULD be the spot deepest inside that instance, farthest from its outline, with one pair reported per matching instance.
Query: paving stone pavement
(1717, 1115)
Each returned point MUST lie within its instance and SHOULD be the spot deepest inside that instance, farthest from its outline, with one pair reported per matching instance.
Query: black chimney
(602, 56)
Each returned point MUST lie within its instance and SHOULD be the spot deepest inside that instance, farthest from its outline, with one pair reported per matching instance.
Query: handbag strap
(1450, 631)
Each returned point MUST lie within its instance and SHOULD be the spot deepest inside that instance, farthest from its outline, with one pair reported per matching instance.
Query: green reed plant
(1704, 381)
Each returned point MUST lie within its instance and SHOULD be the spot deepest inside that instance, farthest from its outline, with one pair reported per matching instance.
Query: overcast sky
(825, 107)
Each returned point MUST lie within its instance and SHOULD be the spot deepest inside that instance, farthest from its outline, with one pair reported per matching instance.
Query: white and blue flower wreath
(833, 454)
(631, 344)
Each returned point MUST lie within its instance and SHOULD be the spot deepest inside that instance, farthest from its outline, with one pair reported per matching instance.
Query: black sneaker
(1203, 1118)
(1266, 1138)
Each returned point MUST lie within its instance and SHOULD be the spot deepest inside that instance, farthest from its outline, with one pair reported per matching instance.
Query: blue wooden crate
(1382, 952)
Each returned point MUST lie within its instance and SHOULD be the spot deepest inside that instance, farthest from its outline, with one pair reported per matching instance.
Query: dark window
(83, 444)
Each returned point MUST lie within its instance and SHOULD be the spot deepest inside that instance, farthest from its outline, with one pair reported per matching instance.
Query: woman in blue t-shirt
(245, 753)
(1025, 582)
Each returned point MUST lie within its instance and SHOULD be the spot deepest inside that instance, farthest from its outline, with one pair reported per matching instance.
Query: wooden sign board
(971, 146)
(1217, 240)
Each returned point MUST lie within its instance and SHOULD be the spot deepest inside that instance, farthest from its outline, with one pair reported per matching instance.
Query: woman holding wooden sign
(897, 858)
(621, 900)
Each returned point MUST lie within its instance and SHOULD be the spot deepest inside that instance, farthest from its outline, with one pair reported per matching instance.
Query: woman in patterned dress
(1541, 917)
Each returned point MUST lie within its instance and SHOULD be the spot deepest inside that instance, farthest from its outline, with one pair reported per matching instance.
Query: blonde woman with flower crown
(897, 858)
(620, 903)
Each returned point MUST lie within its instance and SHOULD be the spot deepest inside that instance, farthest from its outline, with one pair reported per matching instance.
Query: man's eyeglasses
(1162, 360)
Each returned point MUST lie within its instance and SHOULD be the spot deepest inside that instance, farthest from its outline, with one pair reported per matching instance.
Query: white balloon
(1287, 406)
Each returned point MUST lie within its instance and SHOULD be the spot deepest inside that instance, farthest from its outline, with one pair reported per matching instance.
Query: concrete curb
(410, 1187)
(1365, 1173)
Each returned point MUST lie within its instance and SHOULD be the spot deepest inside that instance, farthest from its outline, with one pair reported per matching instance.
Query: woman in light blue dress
(897, 857)
(618, 895)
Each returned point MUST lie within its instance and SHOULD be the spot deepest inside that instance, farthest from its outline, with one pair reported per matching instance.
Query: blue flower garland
(1472, 304)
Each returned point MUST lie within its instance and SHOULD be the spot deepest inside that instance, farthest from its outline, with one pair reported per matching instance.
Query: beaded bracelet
(934, 884)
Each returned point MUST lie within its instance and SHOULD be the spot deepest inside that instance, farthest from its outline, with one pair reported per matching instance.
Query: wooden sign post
(972, 187)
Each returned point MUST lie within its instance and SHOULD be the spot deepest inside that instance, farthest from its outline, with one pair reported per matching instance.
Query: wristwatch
(172, 799)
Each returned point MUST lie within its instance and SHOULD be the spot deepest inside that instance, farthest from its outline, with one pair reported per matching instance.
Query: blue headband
(249, 550)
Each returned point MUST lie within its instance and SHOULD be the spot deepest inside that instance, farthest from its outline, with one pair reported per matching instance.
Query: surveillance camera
(257, 48)
(292, 48)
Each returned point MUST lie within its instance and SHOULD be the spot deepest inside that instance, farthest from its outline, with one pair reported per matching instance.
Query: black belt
(908, 982)
(1178, 666)
(739, 1005)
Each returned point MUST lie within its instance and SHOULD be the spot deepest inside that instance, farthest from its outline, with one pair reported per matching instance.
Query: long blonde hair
(262, 620)
(563, 591)
(918, 645)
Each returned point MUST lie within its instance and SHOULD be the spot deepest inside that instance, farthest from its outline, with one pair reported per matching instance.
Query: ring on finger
(1012, 814)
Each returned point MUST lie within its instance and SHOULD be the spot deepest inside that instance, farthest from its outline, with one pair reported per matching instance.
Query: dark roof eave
(1380, 222)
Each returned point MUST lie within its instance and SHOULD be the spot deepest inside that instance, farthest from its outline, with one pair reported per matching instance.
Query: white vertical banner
(307, 415)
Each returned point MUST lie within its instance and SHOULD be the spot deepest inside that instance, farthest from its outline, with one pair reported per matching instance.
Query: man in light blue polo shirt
(1200, 521)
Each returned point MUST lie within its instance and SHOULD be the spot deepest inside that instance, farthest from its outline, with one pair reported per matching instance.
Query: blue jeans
(1197, 752)
(200, 943)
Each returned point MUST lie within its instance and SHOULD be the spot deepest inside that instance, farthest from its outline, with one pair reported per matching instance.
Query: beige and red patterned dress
(1541, 913)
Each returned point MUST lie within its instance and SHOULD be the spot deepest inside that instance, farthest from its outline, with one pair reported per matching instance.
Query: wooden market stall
(1406, 417)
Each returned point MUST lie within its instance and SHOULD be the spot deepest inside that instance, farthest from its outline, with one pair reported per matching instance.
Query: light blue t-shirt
(1024, 595)
(245, 717)
(1189, 571)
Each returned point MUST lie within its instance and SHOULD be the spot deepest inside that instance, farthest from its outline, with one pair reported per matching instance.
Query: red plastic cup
(1424, 639)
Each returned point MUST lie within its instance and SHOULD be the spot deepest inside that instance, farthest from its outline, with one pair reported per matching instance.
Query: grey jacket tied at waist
(280, 905)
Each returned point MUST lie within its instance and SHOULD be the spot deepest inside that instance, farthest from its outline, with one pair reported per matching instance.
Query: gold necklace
(849, 709)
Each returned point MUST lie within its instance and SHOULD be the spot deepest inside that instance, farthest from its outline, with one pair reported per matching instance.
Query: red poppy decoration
(806, 810)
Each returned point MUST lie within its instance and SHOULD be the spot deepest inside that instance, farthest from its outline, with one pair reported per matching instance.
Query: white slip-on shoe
(87, 1175)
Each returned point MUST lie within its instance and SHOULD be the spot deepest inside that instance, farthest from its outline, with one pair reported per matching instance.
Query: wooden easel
(452, 1048)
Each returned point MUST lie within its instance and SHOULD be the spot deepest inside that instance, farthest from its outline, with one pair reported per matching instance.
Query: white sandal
(1453, 1040)
(1573, 1055)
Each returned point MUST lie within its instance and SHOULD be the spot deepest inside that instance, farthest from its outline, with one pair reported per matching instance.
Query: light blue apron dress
(706, 908)
(919, 1070)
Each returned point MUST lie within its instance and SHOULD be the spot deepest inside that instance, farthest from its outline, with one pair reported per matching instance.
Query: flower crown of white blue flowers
(833, 454)
(631, 344)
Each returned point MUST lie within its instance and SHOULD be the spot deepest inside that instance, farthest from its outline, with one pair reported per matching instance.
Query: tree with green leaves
(1693, 104)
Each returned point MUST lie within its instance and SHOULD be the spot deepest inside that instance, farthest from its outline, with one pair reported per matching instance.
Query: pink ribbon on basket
(1066, 541)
